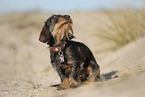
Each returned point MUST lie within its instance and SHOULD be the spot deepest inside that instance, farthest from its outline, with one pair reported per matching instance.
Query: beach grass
(124, 26)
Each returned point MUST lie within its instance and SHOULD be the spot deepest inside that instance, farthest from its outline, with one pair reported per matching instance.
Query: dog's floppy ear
(45, 35)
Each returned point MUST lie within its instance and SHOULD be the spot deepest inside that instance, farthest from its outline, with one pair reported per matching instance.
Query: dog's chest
(57, 58)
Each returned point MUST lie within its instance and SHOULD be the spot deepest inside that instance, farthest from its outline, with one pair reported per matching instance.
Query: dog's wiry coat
(79, 64)
(62, 31)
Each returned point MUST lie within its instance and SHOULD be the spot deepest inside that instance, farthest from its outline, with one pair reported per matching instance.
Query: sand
(25, 69)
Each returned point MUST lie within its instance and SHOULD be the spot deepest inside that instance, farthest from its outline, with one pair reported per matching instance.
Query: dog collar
(57, 49)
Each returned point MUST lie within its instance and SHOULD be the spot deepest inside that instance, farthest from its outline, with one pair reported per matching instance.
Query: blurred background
(64, 6)
(114, 30)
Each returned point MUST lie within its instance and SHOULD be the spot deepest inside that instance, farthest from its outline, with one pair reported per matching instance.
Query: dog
(73, 61)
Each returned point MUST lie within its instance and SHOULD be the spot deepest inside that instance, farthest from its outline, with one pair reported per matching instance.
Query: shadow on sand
(108, 76)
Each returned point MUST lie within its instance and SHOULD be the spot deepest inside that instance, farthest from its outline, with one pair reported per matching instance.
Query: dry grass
(124, 26)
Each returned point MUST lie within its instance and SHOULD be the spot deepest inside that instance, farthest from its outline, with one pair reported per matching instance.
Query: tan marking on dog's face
(62, 29)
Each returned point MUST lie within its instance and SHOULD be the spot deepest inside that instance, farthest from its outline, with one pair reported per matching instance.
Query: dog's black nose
(67, 17)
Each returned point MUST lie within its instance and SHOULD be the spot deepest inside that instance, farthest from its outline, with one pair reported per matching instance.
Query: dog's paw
(73, 84)
(61, 87)
(64, 85)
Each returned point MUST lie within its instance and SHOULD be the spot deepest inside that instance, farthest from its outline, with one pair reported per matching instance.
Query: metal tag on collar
(61, 57)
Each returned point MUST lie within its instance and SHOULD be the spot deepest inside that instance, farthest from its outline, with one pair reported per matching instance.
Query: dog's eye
(54, 19)
(67, 17)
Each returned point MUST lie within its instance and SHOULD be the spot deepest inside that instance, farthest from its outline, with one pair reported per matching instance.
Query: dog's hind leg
(94, 73)
(94, 76)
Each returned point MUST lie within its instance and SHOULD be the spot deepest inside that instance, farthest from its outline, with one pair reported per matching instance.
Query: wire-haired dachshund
(73, 60)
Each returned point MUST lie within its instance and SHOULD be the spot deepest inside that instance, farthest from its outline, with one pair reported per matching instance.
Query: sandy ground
(25, 69)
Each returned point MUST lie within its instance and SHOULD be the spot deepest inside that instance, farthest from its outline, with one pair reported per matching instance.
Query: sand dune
(25, 69)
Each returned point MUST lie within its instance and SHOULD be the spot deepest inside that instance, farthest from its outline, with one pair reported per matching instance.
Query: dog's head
(57, 28)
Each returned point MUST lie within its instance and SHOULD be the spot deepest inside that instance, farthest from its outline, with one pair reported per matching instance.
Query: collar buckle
(57, 49)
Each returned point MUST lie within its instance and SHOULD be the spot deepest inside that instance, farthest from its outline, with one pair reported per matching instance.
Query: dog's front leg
(70, 74)
(64, 72)
(73, 80)
(69, 80)
(57, 68)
